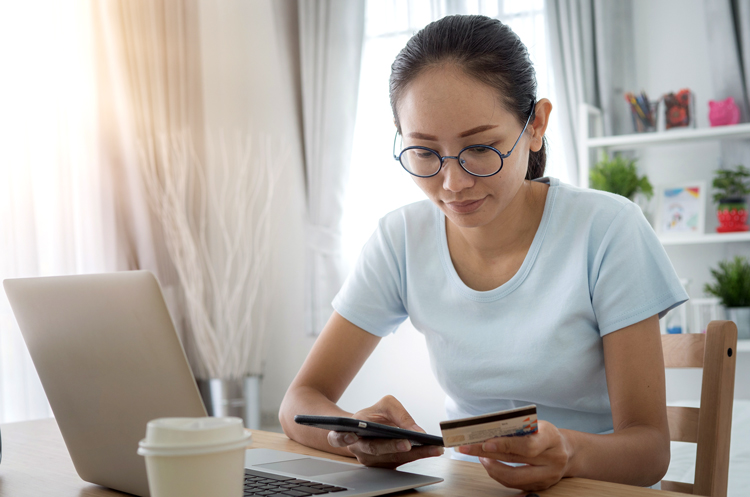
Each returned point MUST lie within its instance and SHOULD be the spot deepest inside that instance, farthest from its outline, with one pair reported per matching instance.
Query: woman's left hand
(547, 455)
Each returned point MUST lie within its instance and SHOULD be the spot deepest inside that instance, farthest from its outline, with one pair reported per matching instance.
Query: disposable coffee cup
(195, 457)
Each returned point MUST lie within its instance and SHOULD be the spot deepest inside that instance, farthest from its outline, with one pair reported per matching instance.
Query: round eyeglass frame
(443, 157)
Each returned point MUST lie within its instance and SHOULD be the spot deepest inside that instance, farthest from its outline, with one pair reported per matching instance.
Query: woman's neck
(508, 233)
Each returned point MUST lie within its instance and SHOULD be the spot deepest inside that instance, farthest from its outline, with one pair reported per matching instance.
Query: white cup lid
(193, 434)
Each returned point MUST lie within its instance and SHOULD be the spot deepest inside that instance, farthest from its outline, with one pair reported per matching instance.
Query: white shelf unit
(587, 143)
(638, 140)
(705, 238)
(622, 142)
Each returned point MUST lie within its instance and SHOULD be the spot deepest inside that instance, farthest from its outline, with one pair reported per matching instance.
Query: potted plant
(731, 187)
(732, 287)
(619, 175)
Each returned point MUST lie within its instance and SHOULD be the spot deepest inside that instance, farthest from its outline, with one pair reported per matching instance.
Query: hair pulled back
(485, 49)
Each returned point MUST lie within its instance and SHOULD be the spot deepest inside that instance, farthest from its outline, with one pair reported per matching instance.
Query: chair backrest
(709, 426)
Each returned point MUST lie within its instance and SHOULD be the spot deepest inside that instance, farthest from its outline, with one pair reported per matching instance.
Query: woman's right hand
(382, 452)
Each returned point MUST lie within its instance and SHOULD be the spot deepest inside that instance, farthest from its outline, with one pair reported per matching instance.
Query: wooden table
(36, 463)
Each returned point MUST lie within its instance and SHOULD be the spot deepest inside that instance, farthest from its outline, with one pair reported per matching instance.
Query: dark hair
(487, 50)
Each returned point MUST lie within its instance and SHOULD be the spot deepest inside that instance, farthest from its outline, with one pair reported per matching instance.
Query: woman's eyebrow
(478, 129)
(472, 131)
(422, 136)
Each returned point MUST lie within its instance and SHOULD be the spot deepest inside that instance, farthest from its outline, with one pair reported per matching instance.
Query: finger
(476, 450)
(397, 458)
(397, 413)
(380, 446)
(341, 438)
(529, 446)
(522, 477)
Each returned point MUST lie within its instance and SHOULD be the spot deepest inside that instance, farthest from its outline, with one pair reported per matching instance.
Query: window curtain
(331, 34)
(85, 82)
(56, 209)
(592, 50)
(150, 88)
(93, 79)
(729, 45)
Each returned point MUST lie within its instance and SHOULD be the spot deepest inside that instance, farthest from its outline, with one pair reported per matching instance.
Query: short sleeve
(632, 278)
(371, 296)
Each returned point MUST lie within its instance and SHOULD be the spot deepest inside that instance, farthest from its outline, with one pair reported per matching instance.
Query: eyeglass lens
(481, 161)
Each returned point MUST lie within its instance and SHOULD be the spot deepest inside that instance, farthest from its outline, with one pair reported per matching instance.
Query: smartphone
(367, 429)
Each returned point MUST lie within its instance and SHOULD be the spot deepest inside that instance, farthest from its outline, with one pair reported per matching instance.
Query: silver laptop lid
(109, 360)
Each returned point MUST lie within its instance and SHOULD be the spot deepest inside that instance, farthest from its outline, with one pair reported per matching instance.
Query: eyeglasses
(477, 160)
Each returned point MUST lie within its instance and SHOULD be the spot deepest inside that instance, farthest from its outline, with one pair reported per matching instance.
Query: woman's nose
(455, 178)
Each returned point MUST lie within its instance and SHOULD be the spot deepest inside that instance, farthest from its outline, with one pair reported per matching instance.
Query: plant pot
(732, 215)
(741, 317)
(240, 398)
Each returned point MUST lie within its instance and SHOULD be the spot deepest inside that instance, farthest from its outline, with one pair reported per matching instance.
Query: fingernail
(350, 438)
(416, 428)
(489, 447)
(403, 446)
(462, 449)
(436, 451)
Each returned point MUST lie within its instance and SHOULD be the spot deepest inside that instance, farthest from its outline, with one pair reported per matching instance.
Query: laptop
(109, 360)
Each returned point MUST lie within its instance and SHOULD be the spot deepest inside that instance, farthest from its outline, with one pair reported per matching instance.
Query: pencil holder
(643, 112)
(678, 109)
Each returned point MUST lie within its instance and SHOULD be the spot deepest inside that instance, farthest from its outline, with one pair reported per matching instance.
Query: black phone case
(367, 429)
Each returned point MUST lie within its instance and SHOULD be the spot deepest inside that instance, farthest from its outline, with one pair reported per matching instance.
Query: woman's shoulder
(588, 197)
(596, 205)
(417, 213)
(415, 221)
(591, 214)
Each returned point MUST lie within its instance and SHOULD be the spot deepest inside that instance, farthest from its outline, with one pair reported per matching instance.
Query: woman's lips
(465, 207)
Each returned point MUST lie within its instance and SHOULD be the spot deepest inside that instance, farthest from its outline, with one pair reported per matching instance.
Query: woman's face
(446, 110)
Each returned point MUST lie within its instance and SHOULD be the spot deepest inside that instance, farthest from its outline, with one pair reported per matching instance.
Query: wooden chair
(709, 426)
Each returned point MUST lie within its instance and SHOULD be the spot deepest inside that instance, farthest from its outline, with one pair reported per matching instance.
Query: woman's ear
(538, 126)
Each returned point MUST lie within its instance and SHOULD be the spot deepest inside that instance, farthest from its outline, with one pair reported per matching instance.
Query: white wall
(671, 54)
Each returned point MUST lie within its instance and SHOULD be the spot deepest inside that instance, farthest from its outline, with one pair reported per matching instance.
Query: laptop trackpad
(308, 467)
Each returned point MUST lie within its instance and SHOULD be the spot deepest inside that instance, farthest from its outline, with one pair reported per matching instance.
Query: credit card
(477, 429)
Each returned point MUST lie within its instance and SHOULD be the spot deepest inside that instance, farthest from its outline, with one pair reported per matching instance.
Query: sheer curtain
(83, 82)
(592, 51)
(56, 213)
(86, 80)
(149, 85)
(330, 36)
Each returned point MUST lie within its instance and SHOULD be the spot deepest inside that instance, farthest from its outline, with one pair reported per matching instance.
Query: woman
(527, 290)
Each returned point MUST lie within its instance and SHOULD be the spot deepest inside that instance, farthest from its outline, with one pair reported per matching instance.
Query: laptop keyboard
(259, 483)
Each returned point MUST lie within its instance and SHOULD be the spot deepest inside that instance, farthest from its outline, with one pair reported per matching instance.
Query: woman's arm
(637, 453)
(337, 356)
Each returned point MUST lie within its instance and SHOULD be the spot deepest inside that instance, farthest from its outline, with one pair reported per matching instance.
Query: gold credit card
(477, 429)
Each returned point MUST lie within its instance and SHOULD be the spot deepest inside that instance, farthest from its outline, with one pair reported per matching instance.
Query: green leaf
(732, 282)
(619, 175)
(731, 183)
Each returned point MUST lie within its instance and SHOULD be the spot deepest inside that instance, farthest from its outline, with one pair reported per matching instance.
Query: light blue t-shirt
(595, 266)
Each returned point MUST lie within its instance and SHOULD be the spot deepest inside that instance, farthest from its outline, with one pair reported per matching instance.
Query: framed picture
(681, 209)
